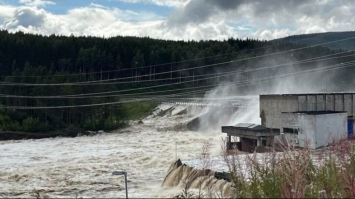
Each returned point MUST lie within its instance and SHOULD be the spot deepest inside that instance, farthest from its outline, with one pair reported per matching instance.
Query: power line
(70, 106)
(88, 95)
(342, 65)
(248, 82)
(105, 82)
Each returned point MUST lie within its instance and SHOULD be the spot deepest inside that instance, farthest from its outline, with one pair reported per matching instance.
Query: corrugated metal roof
(257, 127)
(296, 94)
(254, 127)
(244, 125)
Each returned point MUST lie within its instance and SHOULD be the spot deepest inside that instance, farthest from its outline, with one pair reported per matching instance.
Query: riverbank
(135, 111)
(68, 132)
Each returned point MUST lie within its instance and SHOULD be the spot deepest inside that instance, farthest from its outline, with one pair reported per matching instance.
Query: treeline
(130, 62)
(316, 38)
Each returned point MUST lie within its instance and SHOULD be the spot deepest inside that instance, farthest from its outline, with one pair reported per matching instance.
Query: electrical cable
(343, 65)
(81, 96)
(248, 82)
(91, 83)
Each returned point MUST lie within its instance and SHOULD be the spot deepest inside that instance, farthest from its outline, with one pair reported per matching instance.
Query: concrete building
(252, 137)
(315, 128)
(316, 119)
(272, 106)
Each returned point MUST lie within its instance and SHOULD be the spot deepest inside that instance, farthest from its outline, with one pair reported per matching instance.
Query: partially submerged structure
(313, 119)
(251, 137)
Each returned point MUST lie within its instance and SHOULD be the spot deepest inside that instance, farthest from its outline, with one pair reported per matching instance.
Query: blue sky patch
(243, 27)
(62, 6)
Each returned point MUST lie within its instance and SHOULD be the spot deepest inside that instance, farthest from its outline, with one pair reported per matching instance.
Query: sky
(178, 19)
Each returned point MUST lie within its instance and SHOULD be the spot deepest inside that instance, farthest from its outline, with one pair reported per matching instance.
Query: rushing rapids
(196, 181)
(82, 166)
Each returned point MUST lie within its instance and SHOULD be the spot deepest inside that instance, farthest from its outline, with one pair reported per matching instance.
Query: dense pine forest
(69, 73)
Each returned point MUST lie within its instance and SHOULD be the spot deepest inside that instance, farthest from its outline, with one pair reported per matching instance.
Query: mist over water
(229, 114)
(246, 87)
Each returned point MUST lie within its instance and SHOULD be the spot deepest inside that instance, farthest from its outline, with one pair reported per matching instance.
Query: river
(82, 166)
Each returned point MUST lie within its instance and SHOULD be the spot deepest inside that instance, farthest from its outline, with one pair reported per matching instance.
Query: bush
(93, 125)
(12, 126)
(295, 173)
(33, 125)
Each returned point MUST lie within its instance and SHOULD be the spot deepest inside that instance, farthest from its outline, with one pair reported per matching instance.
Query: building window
(263, 141)
(290, 130)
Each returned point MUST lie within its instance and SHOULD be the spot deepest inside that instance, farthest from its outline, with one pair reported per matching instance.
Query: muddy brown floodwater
(82, 166)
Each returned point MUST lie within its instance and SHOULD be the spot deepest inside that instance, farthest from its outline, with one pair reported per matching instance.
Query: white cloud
(6, 11)
(205, 31)
(271, 34)
(37, 3)
(169, 3)
(26, 17)
(191, 20)
(100, 21)
(92, 20)
(269, 19)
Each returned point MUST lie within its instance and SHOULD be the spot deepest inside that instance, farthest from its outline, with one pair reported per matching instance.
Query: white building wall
(307, 128)
(330, 127)
(314, 130)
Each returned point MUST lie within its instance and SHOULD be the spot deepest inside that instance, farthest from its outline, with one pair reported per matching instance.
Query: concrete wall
(315, 130)
(330, 127)
(271, 106)
(307, 130)
(306, 125)
(288, 120)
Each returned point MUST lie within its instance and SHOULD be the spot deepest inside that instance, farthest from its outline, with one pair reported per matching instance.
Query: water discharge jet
(190, 179)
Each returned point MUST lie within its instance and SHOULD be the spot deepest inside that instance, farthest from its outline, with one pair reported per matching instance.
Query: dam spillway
(195, 181)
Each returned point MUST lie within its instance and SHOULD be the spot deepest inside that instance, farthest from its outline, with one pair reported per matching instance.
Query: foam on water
(82, 166)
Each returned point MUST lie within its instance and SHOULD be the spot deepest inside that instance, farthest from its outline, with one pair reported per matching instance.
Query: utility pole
(180, 77)
(326, 82)
(101, 74)
(154, 73)
(150, 73)
(136, 73)
(171, 72)
(193, 77)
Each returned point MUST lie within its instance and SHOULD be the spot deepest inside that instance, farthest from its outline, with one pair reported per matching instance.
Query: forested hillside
(70, 74)
(316, 38)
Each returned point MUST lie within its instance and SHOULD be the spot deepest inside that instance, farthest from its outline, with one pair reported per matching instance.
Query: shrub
(295, 173)
(33, 125)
